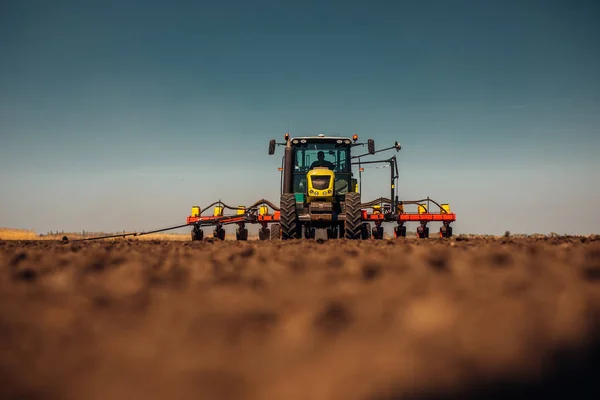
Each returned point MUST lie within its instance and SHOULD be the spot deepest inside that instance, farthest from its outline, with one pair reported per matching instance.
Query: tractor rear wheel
(275, 232)
(288, 218)
(353, 224)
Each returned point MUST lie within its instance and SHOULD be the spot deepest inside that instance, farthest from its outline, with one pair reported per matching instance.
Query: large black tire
(353, 224)
(288, 218)
(275, 232)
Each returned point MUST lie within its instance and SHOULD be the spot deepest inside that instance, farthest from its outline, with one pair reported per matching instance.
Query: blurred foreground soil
(372, 320)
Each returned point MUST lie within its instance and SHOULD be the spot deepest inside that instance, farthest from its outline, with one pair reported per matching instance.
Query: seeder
(320, 199)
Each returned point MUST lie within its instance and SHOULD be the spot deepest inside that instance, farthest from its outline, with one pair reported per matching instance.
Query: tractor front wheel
(353, 224)
(288, 219)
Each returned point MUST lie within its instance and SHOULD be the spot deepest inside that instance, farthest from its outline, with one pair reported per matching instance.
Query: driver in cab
(321, 162)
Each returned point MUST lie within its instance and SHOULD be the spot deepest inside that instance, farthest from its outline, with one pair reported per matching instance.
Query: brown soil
(374, 320)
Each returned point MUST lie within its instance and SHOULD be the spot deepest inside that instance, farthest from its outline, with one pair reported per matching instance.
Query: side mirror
(272, 147)
(371, 146)
(397, 146)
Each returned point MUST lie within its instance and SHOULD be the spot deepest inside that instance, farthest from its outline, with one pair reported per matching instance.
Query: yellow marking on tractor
(320, 184)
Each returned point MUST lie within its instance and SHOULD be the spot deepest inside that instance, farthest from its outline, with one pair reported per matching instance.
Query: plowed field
(372, 320)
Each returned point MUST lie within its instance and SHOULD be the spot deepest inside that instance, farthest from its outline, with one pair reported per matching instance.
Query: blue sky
(122, 115)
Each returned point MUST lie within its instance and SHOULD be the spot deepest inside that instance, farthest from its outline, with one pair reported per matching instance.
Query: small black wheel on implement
(353, 211)
(446, 231)
(400, 231)
(219, 233)
(275, 233)
(333, 232)
(197, 234)
(365, 231)
(378, 233)
(241, 234)
(264, 234)
(290, 227)
(309, 233)
(422, 232)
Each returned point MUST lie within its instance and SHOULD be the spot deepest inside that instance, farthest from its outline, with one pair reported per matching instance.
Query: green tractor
(320, 196)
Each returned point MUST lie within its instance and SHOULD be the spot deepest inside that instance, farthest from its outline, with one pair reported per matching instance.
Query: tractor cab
(322, 166)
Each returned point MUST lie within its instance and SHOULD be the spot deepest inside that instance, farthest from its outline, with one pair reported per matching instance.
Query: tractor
(320, 196)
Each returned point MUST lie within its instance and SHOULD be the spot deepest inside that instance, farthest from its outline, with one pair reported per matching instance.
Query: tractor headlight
(311, 192)
(330, 191)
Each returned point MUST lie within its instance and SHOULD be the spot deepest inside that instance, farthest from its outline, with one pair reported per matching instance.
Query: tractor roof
(321, 137)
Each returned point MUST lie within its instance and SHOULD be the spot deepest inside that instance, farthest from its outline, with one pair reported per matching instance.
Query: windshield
(321, 154)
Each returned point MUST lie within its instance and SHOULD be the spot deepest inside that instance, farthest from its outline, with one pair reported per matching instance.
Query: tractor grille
(320, 182)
